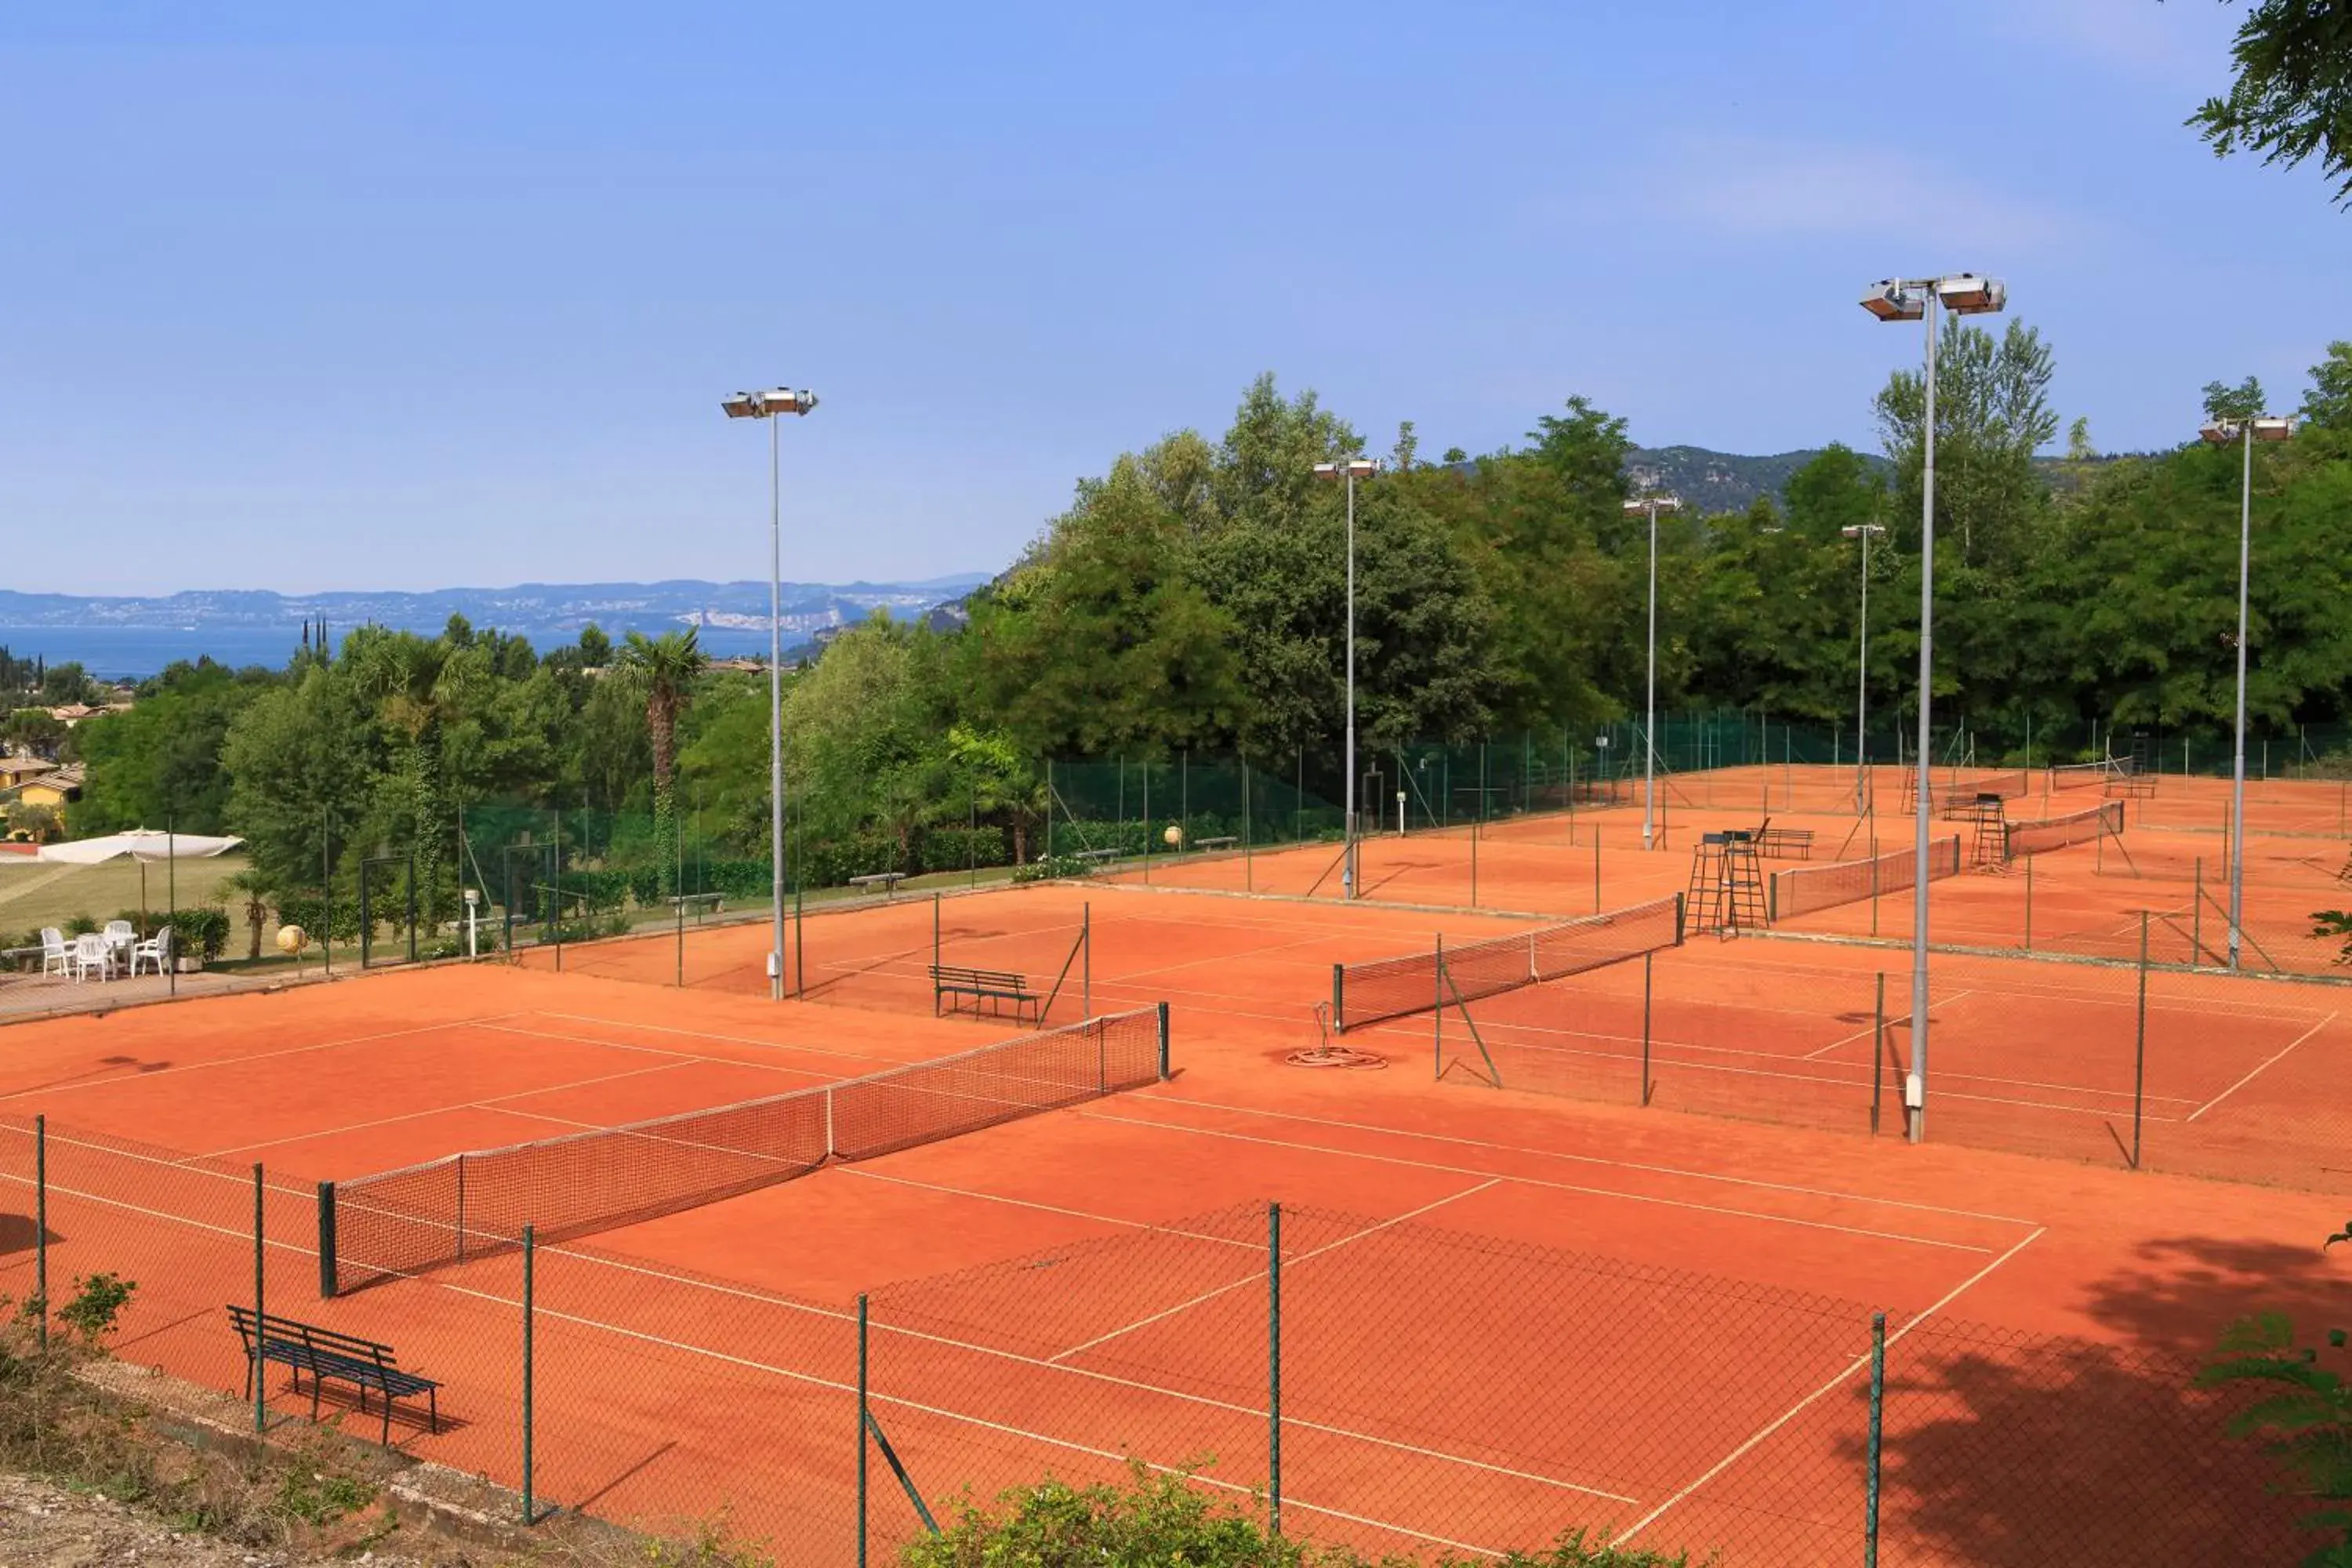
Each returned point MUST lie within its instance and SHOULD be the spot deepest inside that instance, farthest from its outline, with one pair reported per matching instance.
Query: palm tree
(254, 888)
(665, 667)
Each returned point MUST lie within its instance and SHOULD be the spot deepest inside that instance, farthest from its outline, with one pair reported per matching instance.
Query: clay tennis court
(1055, 1293)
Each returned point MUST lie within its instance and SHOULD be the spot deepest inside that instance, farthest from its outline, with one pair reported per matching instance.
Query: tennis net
(1952, 785)
(2057, 832)
(2090, 775)
(477, 1204)
(1801, 890)
(1364, 993)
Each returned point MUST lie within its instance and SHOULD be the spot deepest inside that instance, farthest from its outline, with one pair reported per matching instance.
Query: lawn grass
(36, 895)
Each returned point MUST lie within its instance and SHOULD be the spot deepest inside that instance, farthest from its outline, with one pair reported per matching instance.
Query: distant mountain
(1710, 481)
(227, 622)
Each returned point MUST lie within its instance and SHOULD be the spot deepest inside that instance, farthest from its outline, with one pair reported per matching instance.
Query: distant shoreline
(135, 653)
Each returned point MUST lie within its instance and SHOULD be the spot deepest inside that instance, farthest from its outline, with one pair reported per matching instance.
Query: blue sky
(314, 297)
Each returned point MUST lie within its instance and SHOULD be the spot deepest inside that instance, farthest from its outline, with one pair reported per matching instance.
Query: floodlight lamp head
(2272, 427)
(1863, 530)
(2219, 432)
(1966, 294)
(1348, 468)
(1892, 299)
(767, 405)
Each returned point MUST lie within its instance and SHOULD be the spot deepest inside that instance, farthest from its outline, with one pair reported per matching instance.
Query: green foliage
(2303, 1419)
(2243, 401)
(97, 1301)
(2336, 923)
(200, 933)
(2292, 96)
(1162, 1519)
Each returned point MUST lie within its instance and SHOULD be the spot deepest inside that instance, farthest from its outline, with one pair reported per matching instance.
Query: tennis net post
(327, 1274)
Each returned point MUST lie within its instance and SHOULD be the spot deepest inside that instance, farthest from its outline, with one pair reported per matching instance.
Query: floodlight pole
(769, 405)
(1916, 1090)
(1653, 505)
(1347, 470)
(1863, 530)
(1350, 877)
(2245, 431)
(1905, 299)
(775, 708)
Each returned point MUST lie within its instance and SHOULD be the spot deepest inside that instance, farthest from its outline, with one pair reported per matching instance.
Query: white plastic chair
(57, 958)
(93, 950)
(156, 950)
(121, 935)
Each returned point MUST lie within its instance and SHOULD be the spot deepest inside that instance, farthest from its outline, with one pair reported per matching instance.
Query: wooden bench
(1786, 843)
(1096, 855)
(991, 986)
(683, 903)
(889, 880)
(325, 1353)
(1225, 843)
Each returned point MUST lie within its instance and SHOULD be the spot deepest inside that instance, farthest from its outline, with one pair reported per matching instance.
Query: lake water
(133, 653)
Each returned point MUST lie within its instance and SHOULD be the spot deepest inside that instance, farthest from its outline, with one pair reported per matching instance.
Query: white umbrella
(144, 845)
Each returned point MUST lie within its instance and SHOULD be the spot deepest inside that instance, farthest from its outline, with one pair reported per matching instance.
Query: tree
(2243, 401)
(2078, 441)
(1993, 413)
(595, 647)
(2328, 403)
(664, 670)
(2292, 96)
(1105, 642)
(63, 684)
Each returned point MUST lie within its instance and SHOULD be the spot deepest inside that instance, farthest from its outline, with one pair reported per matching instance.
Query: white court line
(1717, 1209)
(1851, 1368)
(1844, 1040)
(1256, 1276)
(878, 1397)
(492, 1103)
(700, 1035)
(861, 1172)
(1501, 1147)
(2261, 1069)
(261, 1056)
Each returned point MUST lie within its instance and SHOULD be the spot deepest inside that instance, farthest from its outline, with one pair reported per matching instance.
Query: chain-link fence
(1378, 1384)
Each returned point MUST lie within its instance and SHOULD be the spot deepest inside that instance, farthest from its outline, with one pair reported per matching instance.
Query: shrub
(1164, 1519)
(1052, 867)
(200, 933)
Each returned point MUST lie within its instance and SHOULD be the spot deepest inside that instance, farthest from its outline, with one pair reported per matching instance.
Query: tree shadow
(2008, 1448)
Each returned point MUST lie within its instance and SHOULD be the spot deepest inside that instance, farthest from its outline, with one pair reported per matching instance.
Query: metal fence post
(2196, 914)
(1645, 1028)
(861, 1429)
(1087, 975)
(41, 1230)
(2029, 903)
(1274, 1367)
(2139, 1044)
(1437, 1012)
(260, 1286)
(1474, 861)
(529, 1257)
(1877, 1430)
(1877, 1052)
(1596, 870)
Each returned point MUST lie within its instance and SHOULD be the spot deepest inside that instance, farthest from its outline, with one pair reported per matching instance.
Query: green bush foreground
(1163, 1522)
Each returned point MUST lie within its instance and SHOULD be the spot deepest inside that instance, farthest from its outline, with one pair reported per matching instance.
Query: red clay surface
(1462, 1390)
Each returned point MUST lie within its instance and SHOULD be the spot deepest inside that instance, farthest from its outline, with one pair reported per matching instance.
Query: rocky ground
(45, 1526)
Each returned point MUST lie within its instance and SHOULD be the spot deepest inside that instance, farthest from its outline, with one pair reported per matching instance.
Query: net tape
(1387, 988)
(2008, 784)
(2087, 776)
(476, 1203)
(2057, 832)
(1801, 890)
